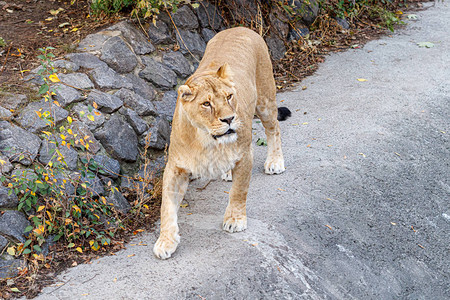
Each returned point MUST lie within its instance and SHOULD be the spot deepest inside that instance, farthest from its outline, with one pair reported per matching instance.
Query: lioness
(212, 128)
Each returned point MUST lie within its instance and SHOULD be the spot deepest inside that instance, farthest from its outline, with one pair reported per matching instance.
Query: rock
(142, 87)
(280, 24)
(107, 78)
(24, 174)
(207, 34)
(64, 184)
(118, 201)
(86, 60)
(67, 65)
(84, 116)
(118, 55)
(296, 33)
(119, 139)
(276, 47)
(47, 154)
(208, 15)
(13, 224)
(82, 130)
(5, 165)
(78, 80)
(4, 113)
(109, 165)
(184, 18)
(342, 22)
(160, 33)
(106, 103)
(158, 74)
(177, 63)
(135, 121)
(94, 184)
(3, 243)
(12, 101)
(166, 106)
(193, 41)
(137, 103)
(29, 119)
(92, 42)
(135, 37)
(10, 268)
(15, 142)
(158, 135)
(307, 10)
(6, 201)
(66, 95)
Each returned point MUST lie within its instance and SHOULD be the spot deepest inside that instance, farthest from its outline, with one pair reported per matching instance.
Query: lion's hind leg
(267, 112)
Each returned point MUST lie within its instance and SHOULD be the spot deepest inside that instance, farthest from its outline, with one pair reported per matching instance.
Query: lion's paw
(232, 224)
(165, 247)
(274, 165)
(227, 176)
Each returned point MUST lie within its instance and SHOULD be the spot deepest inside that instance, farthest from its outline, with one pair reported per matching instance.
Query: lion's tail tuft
(283, 113)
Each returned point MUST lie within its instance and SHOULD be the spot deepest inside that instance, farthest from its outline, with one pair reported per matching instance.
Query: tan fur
(236, 62)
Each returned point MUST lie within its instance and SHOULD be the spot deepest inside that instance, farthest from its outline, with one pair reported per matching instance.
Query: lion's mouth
(229, 131)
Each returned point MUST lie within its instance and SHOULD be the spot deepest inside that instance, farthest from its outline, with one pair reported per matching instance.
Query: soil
(29, 25)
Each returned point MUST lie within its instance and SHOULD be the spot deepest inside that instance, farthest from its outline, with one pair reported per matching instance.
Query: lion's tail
(283, 113)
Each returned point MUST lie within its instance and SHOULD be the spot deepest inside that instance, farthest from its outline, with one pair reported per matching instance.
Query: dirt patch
(29, 25)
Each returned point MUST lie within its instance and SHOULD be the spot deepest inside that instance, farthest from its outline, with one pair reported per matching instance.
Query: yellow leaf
(38, 181)
(49, 19)
(54, 78)
(361, 79)
(2, 162)
(49, 214)
(91, 117)
(62, 136)
(40, 208)
(69, 131)
(399, 12)
(77, 209)
(95, 105)
(79, 249)
(184, 205)
(38, 113)
(16, 290)
(50, 164)
(74, 29)
(57, 103)
(69, 119)
(11, 251)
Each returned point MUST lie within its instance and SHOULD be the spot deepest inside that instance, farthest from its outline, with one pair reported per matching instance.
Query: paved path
(362, 211)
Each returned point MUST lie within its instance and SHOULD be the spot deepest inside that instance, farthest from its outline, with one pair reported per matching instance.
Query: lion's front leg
(175, 182)
(235, 218)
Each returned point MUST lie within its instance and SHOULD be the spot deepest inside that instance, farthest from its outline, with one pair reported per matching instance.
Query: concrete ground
(362, 211)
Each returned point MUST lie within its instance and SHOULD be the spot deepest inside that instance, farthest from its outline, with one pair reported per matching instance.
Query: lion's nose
(227, 120)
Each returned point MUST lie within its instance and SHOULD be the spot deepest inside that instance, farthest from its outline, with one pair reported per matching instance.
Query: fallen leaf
(54, 12)
(255, 244)
(425, 44)
(328, 226)
(16, 290)
(362, 79)
(63, 24)
(393, 223)
(362, 154)
(399, 12)
(421, 246)
(261, 142)
(304, 87)
(412, 17)
(79, 249)
(49, 19)
(184, 205)
(131, 255)
(280, 189)
(305, 123)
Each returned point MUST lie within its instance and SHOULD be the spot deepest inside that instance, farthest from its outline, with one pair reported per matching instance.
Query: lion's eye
(229, 97)
(206, 104)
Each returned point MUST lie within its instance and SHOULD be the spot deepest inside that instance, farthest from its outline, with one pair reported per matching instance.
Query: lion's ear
(224, 72)
(185, 93)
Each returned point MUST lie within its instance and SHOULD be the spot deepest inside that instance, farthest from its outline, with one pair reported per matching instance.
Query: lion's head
(208, 100)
